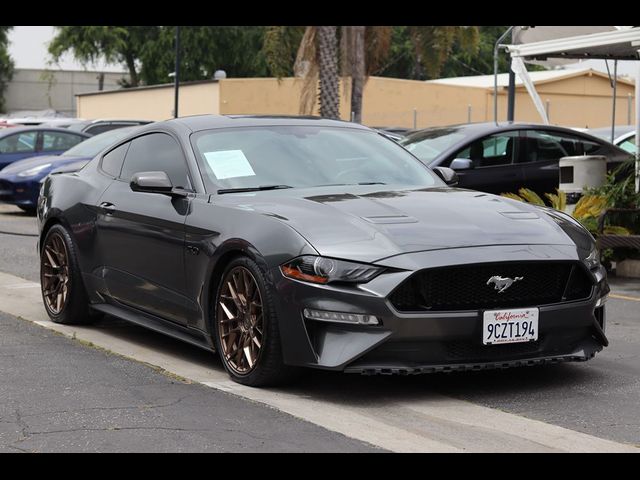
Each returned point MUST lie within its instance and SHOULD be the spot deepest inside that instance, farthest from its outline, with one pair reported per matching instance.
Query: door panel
(494, 168)
(141, 240)
(17, 146)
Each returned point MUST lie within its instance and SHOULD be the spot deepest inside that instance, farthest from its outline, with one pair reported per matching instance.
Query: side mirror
(151, 182)
(462, 164)
(447, 175)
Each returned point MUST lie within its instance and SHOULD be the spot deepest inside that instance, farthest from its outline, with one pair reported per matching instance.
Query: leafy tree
(203, 50)
(461, 62)
(423, 52)
(6, 64)
(148, 52)
(280, 47)
(114, 44)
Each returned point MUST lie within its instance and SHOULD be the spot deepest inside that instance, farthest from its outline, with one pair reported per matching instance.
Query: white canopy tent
(621, 43)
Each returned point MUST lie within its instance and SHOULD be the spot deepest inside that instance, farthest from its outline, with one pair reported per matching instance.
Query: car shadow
(8, 211)
(358, 390)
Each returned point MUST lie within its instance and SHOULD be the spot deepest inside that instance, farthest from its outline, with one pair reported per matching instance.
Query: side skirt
(157, 324)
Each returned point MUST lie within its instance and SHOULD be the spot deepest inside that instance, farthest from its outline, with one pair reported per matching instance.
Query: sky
(28, 48)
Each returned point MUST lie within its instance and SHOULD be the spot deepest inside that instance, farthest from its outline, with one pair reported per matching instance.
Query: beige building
(575, 98)
(34, 89)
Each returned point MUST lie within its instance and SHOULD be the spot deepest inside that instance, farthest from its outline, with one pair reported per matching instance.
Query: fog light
(340, 317)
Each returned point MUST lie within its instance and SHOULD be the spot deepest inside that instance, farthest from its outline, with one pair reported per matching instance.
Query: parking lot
(84, 392)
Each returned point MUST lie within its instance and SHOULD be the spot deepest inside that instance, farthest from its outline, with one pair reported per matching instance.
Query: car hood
(32, 162)
(370, 224)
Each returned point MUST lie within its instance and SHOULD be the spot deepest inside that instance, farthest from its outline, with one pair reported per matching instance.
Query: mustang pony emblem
(502, 283)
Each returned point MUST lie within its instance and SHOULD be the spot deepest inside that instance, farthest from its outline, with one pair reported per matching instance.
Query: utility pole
(511, 102)
(496, 49)
(176, 79)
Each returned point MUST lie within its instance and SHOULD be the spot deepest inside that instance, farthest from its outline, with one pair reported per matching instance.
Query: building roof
(486, 81)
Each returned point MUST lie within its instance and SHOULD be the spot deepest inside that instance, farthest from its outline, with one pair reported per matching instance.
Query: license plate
(510, 326)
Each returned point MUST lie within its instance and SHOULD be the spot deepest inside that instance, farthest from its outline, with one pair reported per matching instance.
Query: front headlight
(593, 260)
(32, 172)
(309, 268)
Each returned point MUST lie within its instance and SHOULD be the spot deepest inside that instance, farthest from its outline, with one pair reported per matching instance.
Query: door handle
(108, 208)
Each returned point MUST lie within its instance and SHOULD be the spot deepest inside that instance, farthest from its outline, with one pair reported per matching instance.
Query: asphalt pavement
(69, 397)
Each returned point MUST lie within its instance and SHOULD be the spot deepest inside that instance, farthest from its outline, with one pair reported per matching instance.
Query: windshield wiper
(253, 189)
(371, 183)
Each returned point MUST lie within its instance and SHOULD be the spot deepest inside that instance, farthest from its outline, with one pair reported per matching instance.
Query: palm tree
(363, 51)
(316, 62)
(327, 57)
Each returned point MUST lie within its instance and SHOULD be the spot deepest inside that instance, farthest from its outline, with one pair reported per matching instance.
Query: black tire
(269, 368)
(75, 310)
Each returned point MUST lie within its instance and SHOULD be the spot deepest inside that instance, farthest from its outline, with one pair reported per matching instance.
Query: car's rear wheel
(63, 292)
(246, 327)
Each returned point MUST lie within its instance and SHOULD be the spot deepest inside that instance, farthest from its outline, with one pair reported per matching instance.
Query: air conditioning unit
(579, 172)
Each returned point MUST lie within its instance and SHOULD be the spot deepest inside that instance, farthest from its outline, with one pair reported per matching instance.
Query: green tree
(423, 52)
(113, 44)
(203, 50)
(6, 64)
(148, 52)
(462, 62)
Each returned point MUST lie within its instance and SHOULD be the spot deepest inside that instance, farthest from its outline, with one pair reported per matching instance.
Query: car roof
(618, 129)
(38, 128)
(620, 133)
(128, 120)
(206, 122)
(484, 128)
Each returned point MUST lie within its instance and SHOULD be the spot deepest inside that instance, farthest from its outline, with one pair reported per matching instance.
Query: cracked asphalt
(57, 395)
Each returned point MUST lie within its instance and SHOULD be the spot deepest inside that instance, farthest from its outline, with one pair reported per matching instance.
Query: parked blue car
(17, 143)
(20, 181)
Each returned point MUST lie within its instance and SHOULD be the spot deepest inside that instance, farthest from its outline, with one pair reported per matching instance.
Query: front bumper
(19, 192)
(407, 343)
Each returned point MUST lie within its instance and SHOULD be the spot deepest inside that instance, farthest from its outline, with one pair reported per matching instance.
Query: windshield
(304, 156)
(94, 145)
(428, 144)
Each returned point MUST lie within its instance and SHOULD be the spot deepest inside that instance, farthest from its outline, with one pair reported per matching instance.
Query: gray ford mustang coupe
(287, 242)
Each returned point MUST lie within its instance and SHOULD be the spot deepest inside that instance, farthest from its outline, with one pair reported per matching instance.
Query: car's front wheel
(63, 292)
(246, 327)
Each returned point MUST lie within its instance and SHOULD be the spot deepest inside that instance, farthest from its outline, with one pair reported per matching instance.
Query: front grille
(465, 287)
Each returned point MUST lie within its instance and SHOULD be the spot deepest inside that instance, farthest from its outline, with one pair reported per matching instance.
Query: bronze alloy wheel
(55, 273)
(240, 320)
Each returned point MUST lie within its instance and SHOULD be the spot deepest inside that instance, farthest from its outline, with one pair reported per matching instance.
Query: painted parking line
(624, 297)
(427, 422)
(17, 286)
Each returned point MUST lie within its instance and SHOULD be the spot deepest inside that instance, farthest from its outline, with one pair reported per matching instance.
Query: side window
(24, 142)
(156, 152)
(491, 151)
(101, 128)
(547, 145)
(112, 161)
(629, 145)
(58, 141)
